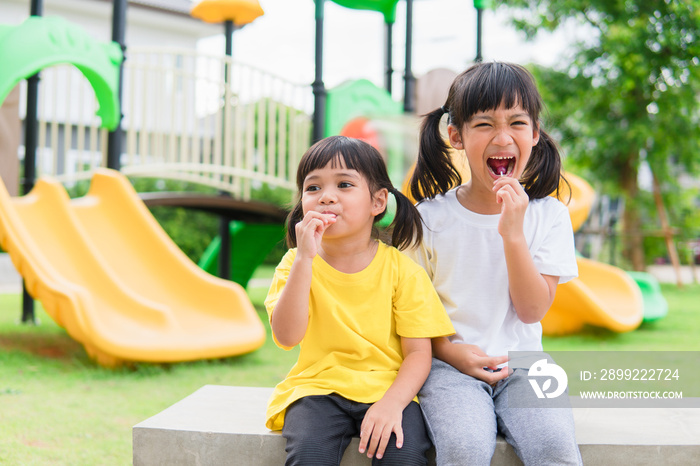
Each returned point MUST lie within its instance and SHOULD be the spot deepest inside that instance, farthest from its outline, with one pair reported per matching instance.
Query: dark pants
(319, 428)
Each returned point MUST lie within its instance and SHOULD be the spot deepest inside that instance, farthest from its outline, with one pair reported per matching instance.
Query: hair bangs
(497, 84)
(337, 152)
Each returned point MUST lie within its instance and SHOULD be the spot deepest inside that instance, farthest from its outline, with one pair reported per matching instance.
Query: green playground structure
(655, 305)
(101, 265)
(385, 7)
(251, 243)
(350, 105)
(41, 42)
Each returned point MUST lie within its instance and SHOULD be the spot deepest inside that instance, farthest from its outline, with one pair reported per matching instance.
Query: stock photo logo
(544, 372)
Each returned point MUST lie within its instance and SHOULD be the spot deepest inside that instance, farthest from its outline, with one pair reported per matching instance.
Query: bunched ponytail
(434, 173)
(294, 217)
(406, 228)
(543, 171)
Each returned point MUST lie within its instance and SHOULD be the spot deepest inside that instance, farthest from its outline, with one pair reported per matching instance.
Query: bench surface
(219, 425)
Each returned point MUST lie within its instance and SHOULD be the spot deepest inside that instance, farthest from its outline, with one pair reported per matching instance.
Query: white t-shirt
(462, 252)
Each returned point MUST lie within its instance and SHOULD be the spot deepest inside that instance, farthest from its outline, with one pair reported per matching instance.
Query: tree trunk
(633, 241)
(668, 233)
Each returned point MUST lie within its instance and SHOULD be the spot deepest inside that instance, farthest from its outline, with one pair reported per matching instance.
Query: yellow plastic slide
(601, 295)
(106, 271)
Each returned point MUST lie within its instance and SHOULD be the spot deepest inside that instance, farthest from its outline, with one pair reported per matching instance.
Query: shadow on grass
(48, 342)
(60, 349)
(54, 346)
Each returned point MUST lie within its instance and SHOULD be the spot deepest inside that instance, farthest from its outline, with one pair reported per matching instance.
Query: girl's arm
(384, 416)
(531, 292)
(291, 314)
(290, 317)
(470, 360)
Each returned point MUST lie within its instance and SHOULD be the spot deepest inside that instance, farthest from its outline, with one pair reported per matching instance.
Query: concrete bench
(221, 425)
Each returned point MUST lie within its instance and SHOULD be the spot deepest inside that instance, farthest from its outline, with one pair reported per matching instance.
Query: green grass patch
(678, 331)
(58, 407)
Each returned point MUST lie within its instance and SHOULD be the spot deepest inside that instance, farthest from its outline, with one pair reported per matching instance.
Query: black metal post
(389, 71)
(115, 139)
(228, 30)
(224, 221)
(30, 133)
(479, 14)
(36, 8)
(318, 87)
(30, 146)
(409, 79)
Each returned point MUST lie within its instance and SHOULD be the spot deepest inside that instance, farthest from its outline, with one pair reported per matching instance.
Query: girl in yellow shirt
(362, 313)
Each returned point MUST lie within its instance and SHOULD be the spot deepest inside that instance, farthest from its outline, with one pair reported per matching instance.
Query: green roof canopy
(40, 42)
(386, 7)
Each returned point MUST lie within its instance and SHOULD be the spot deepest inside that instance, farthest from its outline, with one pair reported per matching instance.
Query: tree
(626, 95)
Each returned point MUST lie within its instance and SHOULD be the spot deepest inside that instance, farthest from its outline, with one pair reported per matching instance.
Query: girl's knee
(549, 443)
(310, 451)
(459, 450)
(550, 453)
(416, 441)
(463, 456)
(410, 454)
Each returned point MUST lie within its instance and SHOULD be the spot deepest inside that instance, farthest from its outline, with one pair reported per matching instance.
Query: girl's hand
(381, 419)
(514, 200)
(310, 231)
(474, 362)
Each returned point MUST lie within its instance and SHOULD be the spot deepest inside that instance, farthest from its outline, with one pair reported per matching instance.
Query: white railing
(70, 143)
(198, 118)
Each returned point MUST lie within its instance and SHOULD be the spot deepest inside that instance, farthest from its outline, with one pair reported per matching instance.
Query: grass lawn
(57, 407)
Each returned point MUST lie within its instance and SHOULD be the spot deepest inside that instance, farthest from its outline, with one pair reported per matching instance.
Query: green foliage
(192, 230)
(273, 195)
(627, 95)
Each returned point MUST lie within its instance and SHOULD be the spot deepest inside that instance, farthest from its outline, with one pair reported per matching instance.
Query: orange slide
(106, 271)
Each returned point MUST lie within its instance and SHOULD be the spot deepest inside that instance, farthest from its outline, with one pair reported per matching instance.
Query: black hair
(406, 228)
(484, 87)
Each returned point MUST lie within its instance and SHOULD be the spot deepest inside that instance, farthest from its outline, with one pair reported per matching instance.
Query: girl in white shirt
(495, 248)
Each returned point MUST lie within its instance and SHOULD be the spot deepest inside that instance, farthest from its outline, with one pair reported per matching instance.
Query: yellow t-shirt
(352, 344)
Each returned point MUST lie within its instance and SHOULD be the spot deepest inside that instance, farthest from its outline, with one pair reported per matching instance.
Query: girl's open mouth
(501, 166)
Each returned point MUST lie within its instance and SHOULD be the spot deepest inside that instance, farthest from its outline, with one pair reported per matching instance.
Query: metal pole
(389, 57)
(30, 142)
(228, 30)
(409, 79)
(224, 221)
(318, 87)
(479, 12)
(115, 139)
